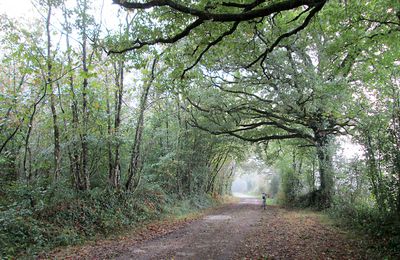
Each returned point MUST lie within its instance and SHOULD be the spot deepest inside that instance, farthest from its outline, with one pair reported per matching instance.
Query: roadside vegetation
(70, 218)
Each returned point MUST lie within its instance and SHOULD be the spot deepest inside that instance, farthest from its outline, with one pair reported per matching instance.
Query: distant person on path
(264, 200)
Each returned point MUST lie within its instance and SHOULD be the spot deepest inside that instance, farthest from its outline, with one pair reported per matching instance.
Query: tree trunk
(134, 165)
(374, 173)
(28, 135)
(219, 163)
(119, 82)
(49, 84)
(75, 162)
(396, 140)
(324, 194)
(85, 113)
(109, 132)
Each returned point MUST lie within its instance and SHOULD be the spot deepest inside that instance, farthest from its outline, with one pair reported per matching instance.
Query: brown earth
(241, 230)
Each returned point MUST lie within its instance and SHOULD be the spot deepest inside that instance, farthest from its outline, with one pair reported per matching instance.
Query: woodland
(103, 128)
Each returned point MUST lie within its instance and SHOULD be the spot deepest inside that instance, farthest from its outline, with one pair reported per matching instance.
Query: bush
(382, 226)
(45, 218)
(190, 204)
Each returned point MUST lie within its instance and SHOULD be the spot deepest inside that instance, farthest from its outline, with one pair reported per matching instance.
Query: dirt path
(293, 234)
(234, 231)
(216, 236)
(244, 231)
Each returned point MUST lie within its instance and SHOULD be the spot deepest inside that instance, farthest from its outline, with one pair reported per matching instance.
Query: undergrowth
(379, 229)
(57, 216)
(382, 227)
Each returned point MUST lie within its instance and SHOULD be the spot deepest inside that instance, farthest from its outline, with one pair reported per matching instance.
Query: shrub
(45, 218)
(382, 226)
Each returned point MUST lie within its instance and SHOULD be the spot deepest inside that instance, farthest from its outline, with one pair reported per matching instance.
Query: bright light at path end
(349, 149)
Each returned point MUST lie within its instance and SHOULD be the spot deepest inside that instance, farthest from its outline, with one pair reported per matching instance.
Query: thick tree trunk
(324, 193)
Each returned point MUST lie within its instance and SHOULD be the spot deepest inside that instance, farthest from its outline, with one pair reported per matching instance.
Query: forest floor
(240, 230)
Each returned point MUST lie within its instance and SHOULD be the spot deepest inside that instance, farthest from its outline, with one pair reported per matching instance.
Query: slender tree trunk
(135, 154)
(373, 173)
(75, 163)
(49, 83)
(119, 82)
(228, 183)
(85, 113)
(28, 135)
(134, 165)
(110, 136)
(11, 136)
(313, 176)
(398, 182)
(219, 163)
(65, 124)
(191, 165)
(396, 140)
(179, 147)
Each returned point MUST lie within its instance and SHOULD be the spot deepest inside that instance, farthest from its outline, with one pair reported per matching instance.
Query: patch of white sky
(17, 8)
(103, 11)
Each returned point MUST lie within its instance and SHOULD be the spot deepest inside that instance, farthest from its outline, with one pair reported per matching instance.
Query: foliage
(362, 217)
(28, 229)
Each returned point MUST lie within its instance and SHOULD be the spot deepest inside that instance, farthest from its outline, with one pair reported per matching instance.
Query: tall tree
(115, 175)
(135, 157)
(75, 161)
(50, 84)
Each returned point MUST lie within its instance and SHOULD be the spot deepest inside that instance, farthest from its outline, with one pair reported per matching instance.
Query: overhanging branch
(301, 27)
(222, 17)
(249, 12)
(139, 44)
